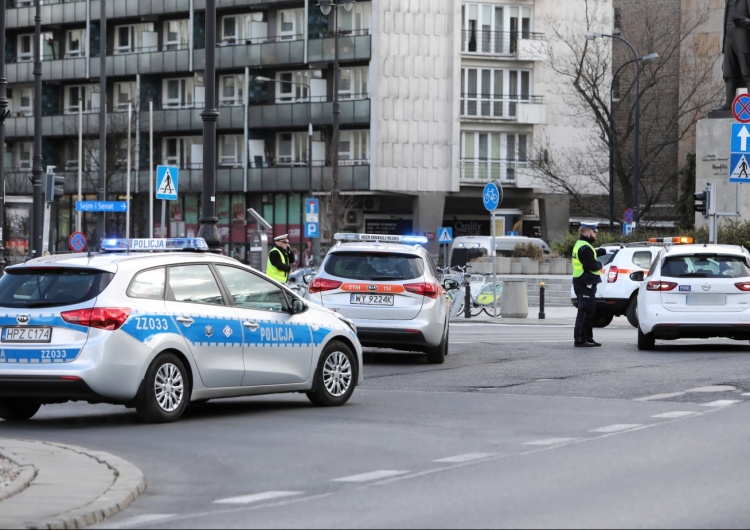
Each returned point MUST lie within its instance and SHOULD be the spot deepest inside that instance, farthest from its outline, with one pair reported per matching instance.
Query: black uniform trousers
(586, 294)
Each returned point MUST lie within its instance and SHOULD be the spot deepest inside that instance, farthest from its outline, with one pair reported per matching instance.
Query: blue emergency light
(158, 244)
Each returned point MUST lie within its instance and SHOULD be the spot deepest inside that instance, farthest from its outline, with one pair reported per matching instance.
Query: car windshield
(374, 266)
(705, 266)
(49, 287)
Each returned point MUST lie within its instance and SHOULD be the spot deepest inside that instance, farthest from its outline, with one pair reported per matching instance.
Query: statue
(736, 49)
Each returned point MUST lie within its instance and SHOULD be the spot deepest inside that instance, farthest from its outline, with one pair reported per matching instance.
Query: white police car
(388, 285)
(156, 330)
(695, 291)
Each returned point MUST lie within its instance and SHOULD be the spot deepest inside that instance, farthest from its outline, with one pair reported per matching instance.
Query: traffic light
(702, 201)
(54, 188)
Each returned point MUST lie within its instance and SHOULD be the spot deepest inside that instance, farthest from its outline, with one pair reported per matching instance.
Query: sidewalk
(552, 316)
(49, 485)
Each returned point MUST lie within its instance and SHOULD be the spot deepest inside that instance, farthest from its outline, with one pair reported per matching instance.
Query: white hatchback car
(159, 330)
(695, 291)
(389, 286)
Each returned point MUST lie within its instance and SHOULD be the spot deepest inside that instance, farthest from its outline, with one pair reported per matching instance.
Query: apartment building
(436, 99)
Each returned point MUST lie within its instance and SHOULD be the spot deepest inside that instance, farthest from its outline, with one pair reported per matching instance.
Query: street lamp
(591, 35)
(325, 8)
(4, 112)
(646, 58)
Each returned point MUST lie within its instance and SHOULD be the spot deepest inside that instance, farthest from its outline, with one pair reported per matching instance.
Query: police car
(388, 285)
(695, 291)
(159, 329)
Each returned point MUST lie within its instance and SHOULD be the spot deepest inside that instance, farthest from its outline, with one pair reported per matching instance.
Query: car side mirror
(298, 306)
(450, 284)
(637, 276)
(306, 278)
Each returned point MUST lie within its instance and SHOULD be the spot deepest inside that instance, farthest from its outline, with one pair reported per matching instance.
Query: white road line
(257, 497)
(660, 396)
(138, 520)
(617, 427)
(721, 403)
(674, 414)
(371, 476)
(551, 441)
(746, 394)
(713, 388)
(468, 457)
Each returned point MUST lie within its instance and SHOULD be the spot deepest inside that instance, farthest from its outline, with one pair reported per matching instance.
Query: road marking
(138, 520)
(257, 497)
(551, 441)
(660, 396)
(617, 427)
(371, 476)
(674, 414)
(713, 388)
(721, 403)
(746, 394)
(468, 457)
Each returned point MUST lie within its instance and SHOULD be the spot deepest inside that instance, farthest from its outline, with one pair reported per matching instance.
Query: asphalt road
(517, 429)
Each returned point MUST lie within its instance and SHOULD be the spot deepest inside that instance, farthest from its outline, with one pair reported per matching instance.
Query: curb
(25, 476)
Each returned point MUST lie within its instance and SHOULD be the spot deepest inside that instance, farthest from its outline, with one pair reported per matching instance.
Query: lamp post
(590, 35)
(4, 112)
(644, 59)
(325, 8)
(37, 212)
(207, 228)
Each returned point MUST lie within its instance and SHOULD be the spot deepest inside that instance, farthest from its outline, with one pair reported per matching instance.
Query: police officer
(280, 259)
(586, 275)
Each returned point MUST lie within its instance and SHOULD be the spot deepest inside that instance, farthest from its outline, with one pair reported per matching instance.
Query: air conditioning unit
(354, 218)
(371, 204)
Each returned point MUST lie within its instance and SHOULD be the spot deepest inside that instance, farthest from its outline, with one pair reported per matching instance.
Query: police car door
(208, 323)
(278, 345)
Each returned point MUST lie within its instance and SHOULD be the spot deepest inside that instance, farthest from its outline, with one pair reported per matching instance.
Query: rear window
(46, 287)
(462, 256)
(705, 266)
(374, 266)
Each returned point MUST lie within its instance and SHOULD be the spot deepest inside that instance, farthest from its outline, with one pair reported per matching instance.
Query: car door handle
(252, 326)
(185, 320)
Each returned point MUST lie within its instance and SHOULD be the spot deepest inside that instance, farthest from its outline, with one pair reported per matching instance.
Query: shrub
(527, 250)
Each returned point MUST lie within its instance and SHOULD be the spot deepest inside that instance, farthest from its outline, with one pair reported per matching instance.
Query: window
(353, 83)
(175, 34)
(75, 43)
(291, 24)
(356, 21)
(177, 150)
(617, 29)
(25, 101)
(642, 259)
(129, 39)
(194, 283)
(25, 48)
(252, 291)
(493, 93)
(148, 284)
(82, 97)
(24, 154)
(231, 90)
(229, 150)
(354, 147)
(123, 92)
(489, 29)
(291, 148)
(178, 93)
(488, 156)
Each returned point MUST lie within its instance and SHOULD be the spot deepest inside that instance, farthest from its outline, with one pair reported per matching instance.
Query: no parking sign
(77, 242)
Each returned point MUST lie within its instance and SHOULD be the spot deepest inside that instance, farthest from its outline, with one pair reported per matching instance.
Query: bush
(527, 250)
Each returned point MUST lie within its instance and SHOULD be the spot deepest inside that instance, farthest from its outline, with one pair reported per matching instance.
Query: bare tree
(671, 104)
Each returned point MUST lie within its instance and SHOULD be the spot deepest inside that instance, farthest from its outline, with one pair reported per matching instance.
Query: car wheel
(602, 320)
(335, 376)
(631, 312)
(437, 355)
(165, 390)
(18, 409)
(646, 341)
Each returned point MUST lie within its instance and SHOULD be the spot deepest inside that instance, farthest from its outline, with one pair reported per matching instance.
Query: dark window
(49, 287)
(374, 266)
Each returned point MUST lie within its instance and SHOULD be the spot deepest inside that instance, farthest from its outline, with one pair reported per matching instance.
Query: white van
(467, 248)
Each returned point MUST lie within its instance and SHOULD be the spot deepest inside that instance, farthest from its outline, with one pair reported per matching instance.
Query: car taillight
(423, 288)
(323, 284)
(109, 318)
(613, 273)
(743, 286)
(656, 285)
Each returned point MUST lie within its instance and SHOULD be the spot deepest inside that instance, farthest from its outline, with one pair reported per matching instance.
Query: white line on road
(660, 396)
(137, 520)
(468, 457)
(257, 497)
(551, 441)
(371, 476)
(617, 427)
(721, 403)
(674, 414)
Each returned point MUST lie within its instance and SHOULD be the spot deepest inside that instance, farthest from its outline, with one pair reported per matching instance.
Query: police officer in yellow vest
(586, 276)
(280, 259)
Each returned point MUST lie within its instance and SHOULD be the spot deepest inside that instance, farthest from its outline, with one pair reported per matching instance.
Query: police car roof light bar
(680, 240)
(163, 244)
(382, 238)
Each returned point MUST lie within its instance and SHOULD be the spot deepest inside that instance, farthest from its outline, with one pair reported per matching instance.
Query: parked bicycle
(482, 292)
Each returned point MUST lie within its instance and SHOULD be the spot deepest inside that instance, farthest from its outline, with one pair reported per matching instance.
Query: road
(517, 429)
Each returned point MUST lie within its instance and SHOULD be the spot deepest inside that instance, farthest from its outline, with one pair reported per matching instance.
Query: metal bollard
(541, 301)
(467, 301)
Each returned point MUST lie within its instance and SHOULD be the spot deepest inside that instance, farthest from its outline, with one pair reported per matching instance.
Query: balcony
(480, 171)
(283, 115)
(352, 47)
(521, 45)
(528, 110)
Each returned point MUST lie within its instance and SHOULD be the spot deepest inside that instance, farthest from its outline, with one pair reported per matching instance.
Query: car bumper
(700, 331)
(417, 334)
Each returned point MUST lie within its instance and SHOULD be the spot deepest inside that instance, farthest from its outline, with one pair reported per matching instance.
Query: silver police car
(388, 285)
(159, 329)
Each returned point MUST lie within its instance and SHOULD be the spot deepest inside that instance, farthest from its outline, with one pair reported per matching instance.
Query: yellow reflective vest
(577, 265)
(273, 272)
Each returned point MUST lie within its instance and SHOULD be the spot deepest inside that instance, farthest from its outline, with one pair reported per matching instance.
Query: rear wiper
(694, 275)
(43, 304)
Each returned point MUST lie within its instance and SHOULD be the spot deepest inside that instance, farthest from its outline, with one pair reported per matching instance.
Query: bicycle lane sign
(492, 195)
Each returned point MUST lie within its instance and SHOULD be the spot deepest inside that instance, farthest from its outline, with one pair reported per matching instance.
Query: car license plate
(27, 334)
(706, 299)
(371, 299)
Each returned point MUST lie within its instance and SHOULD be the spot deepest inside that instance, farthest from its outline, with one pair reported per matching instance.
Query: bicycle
(481, 293)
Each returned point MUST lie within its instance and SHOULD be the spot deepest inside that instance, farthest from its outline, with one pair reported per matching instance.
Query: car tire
(602, 320)
(437, 355)
(631, 313)
(165, 391)
(18, 409)
(335, 376)
(646, 341)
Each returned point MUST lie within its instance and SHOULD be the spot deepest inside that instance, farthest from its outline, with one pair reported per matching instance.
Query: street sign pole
(492, 196)
(494, 268)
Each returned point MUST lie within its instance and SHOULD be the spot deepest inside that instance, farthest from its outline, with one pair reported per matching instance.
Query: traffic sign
(102, 206)
(492, 195)
(739, 156)
(741, 108)
(77, 241)
(167, 178)
(628, 215)
(445, 234)
(311, 230)
(312, 218)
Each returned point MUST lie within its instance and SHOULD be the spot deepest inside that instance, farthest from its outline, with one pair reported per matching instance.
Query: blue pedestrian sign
(312, 218)
(102, 206)
(492, 195)
(445, 234)
(166, 182)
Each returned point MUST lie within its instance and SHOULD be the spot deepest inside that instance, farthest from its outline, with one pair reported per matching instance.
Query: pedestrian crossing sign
(445, 234)
(166, 182)
(739, 165)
